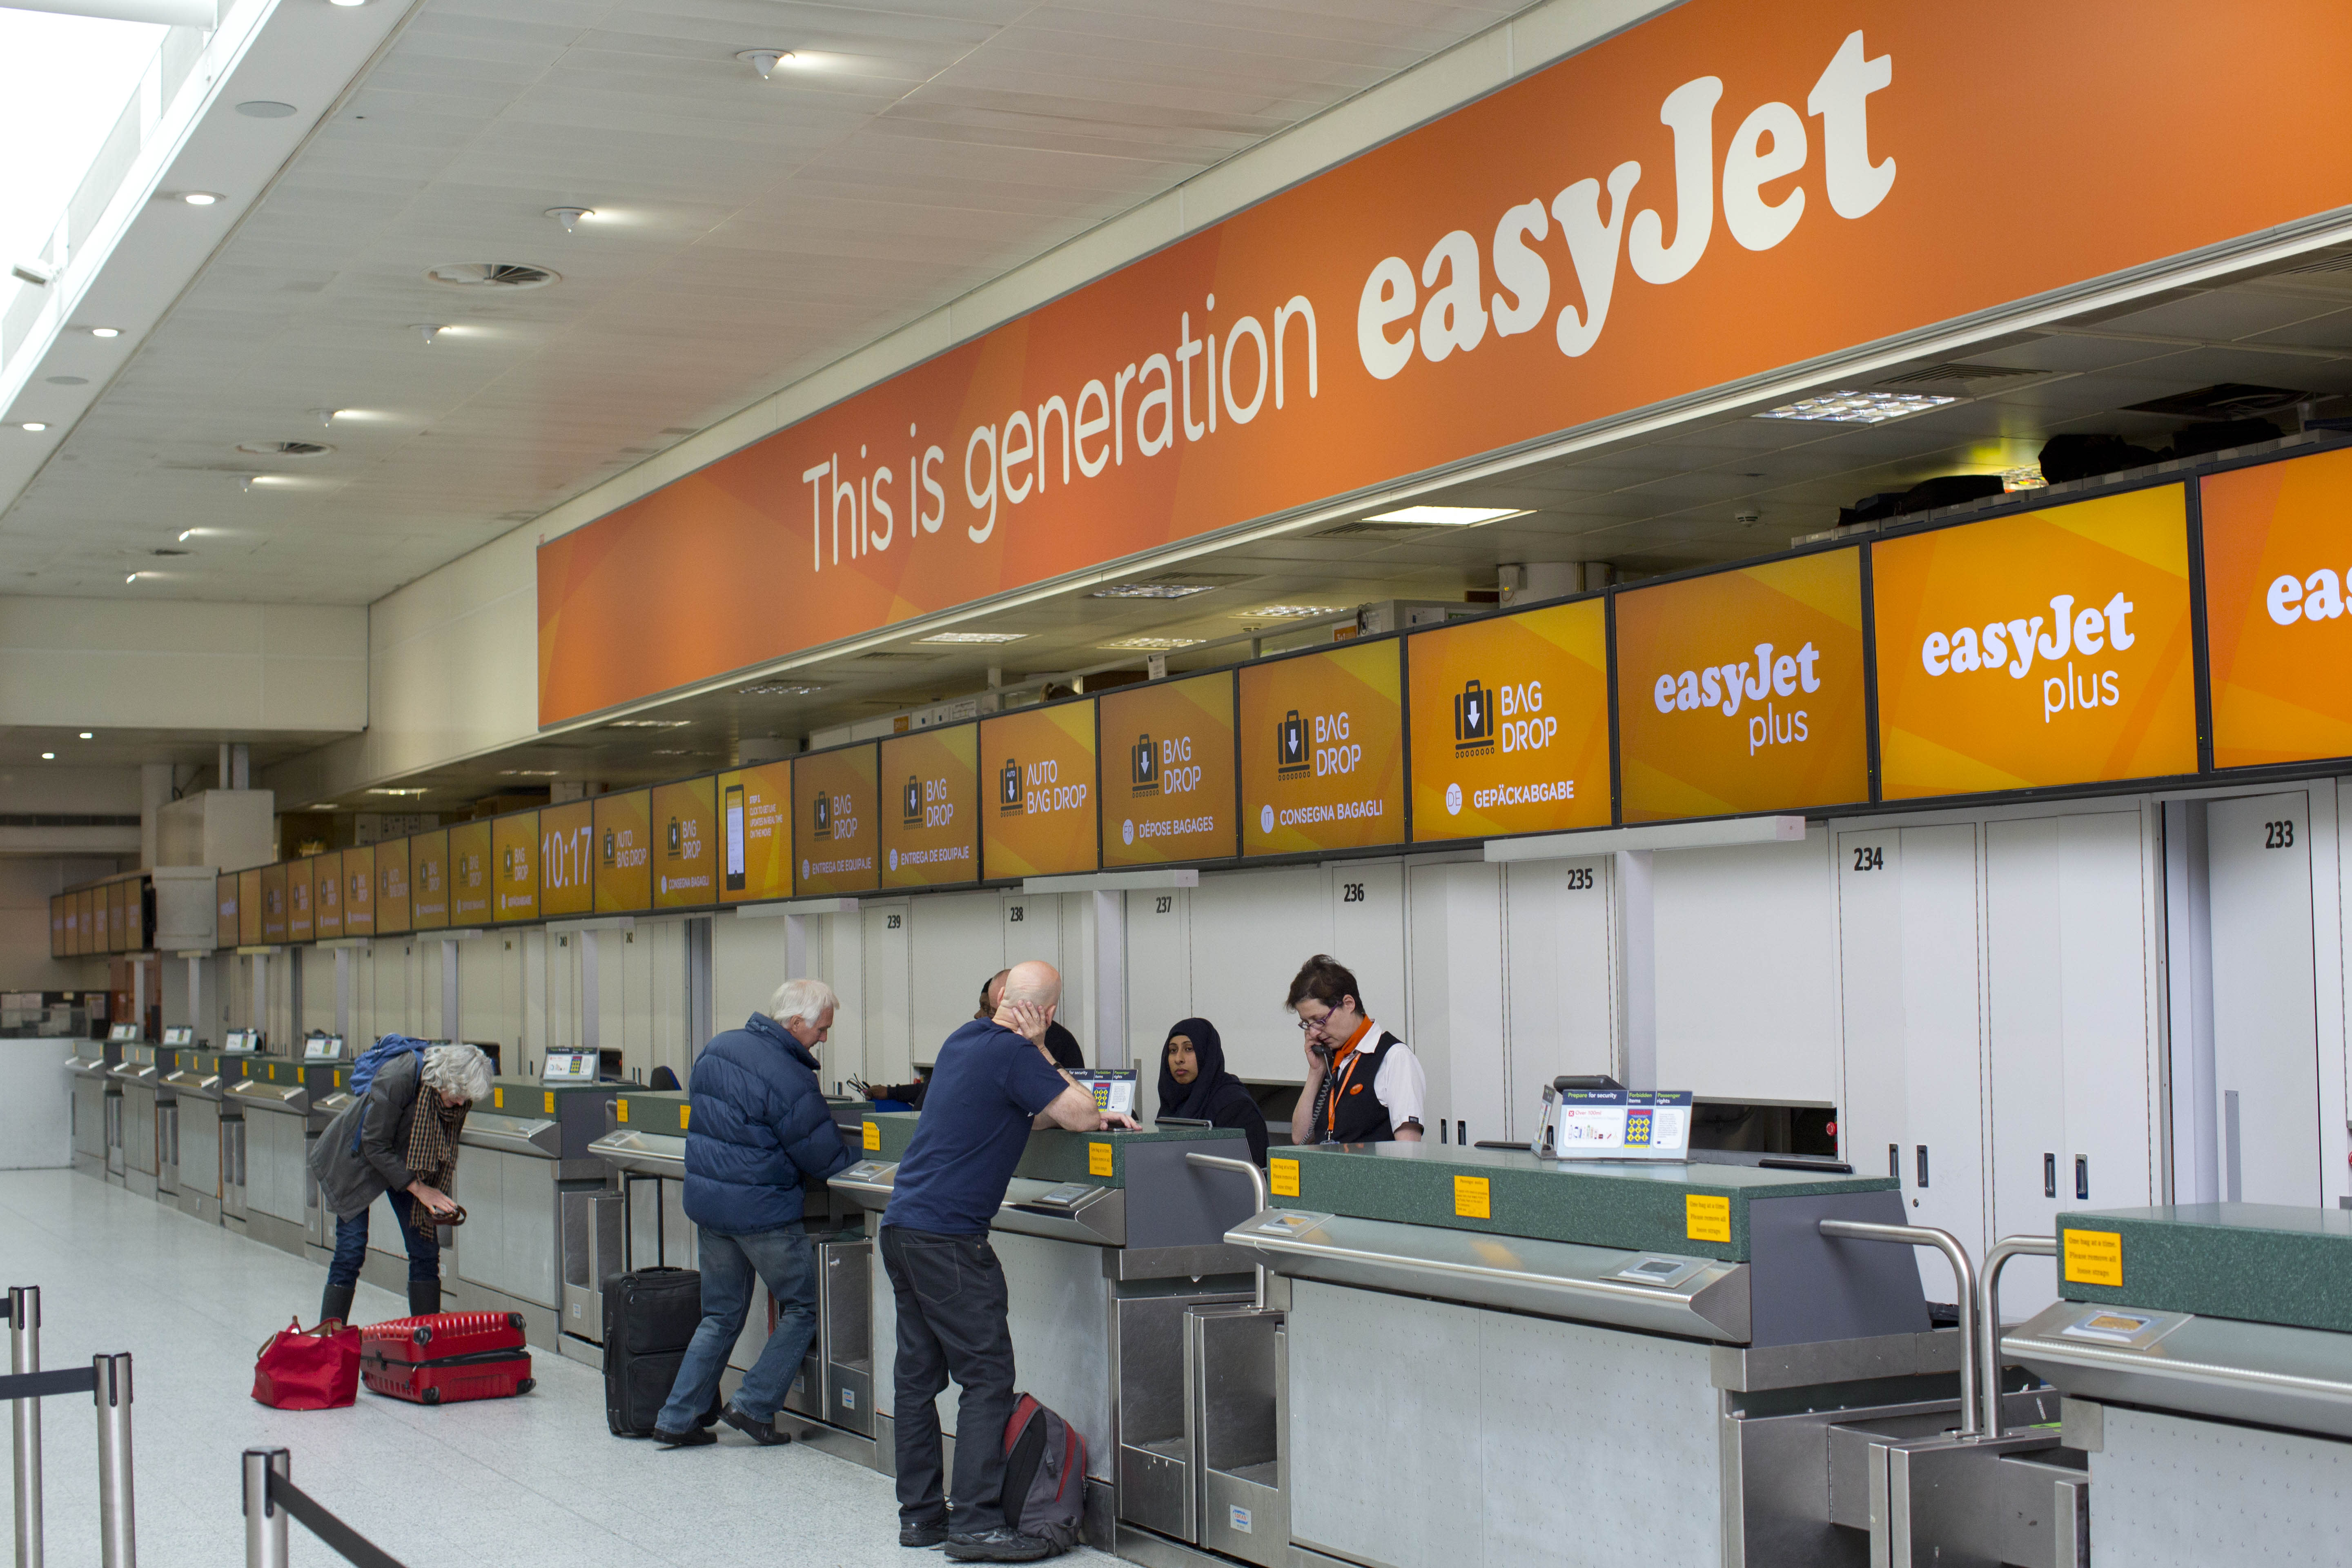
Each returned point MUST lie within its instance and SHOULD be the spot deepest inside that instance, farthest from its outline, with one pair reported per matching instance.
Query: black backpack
(1044, 1474)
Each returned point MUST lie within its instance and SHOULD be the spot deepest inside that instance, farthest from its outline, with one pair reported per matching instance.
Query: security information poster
(514, 867)
(2278, 624)
(1322, 748)
(469, 874)
(428, 880)
(755, 833)
(1167, 771)
(567, 858)
(835, 837)
(685, 845)
(1742, 691)
(393, 913)
(624, 860)
(1510, 724)
(359, 891)
(2050, 648)
(931, 807)
(1037, 791)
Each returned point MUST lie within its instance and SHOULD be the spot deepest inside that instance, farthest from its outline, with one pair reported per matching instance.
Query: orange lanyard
(1343, 1072)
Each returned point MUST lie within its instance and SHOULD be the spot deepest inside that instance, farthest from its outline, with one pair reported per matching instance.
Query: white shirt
(1401, 1087)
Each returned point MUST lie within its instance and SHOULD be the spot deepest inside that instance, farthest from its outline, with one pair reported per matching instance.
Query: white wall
(244, 670)
(25, 885)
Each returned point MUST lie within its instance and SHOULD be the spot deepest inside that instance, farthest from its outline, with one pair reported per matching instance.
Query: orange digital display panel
(1510, 724)
(755, 833)
(359, 891)
(394, 911)
(1168, 773)
(623, 870)
(248, 907)
(2278, 628)
(117, 924)
(300, 887)
(930, 813)
(1037, 772)
(1322, 750)
(428, 881)
(470, 890)
(327, 896)
(1742, 691)
(514, 867)
(58, 925)
(273, 903)
(2048, 648)
(93, 931)
(686, 843)
(567, 860)
(834, 836)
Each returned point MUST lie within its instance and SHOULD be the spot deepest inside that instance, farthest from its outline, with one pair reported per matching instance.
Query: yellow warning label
(1472, 1198)
(498, 1098)
(1707, 1219)
(273, 1072)
(623, 1108)
(551, 1102)
(1283, 1178)
(2094, 1257)
(1097, 1159)
(339, 1080)
(683, 1112)
(874, 1137)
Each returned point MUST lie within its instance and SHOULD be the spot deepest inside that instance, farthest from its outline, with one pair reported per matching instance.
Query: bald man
(993, 1083)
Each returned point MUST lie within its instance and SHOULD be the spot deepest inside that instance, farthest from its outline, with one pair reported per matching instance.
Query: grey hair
(458, 1072)
(802, 1000)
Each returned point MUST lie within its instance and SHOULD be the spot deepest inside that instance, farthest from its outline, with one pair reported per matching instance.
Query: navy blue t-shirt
(988, 1088)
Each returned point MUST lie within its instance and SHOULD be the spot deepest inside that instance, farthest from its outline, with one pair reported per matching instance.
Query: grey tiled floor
(522, 1482)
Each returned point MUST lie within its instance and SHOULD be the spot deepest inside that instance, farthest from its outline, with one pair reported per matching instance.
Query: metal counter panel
(2266, 1373)
(2171, 1492)
(507, 1241)
(275, 1172)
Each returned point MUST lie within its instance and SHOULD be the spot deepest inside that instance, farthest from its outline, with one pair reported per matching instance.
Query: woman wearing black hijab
(1194, 1083)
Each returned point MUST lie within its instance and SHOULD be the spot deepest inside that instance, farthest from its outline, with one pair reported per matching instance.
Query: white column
(1636, 909)
(1110, 978)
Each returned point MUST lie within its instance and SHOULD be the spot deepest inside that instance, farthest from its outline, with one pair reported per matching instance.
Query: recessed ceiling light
(323, 805)
(528, 772)
(199, 198)
(765, 61)
(188, 533)
(649, 724)
(67, 380)
(430, 330)
(1152, 645)
(89, 735)
(49, 756)
(675, 752)
(132, 578)
(988, 638)
(1284, 612)
(1857, 407)
(348, 4)
(265, 109)
(35, 426)
(106, 332)
(570, 217)
(1149, 590)
(778, 688)
(1448, 516)
(418, 789)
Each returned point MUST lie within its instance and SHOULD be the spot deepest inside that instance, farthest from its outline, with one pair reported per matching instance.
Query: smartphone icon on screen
(734, 838)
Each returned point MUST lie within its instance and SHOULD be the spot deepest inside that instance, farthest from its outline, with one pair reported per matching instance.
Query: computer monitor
(323, 1049)
(1113, 1088)
(123, 1032)
(179, 1035)
(569, 1067)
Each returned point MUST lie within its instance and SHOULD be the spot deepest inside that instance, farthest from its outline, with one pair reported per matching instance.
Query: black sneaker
(693, 1437)
(928, 1532)
(763, 1433)
(998, 1546)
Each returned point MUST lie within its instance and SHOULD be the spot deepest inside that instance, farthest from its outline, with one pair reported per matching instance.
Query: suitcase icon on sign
(1147, 762)
(1008, 786)
(1290, 742)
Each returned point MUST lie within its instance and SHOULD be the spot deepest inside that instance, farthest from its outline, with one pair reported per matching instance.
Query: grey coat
(349, 1181)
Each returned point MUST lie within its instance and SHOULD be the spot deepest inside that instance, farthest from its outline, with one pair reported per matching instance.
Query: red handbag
(309, 1369)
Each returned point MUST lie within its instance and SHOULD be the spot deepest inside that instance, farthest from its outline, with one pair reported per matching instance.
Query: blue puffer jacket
(760, 1126)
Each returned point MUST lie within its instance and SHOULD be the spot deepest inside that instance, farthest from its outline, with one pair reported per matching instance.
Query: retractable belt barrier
(272, 1498)
(107, 1380)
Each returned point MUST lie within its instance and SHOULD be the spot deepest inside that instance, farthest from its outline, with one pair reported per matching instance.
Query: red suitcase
(447, 1358)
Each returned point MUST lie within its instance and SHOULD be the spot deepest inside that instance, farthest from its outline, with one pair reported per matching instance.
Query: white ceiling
(748, 233)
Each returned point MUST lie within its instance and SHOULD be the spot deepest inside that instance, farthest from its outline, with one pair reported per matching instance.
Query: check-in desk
(96, 1108)
(526, 1154)
(2205, 1356)
(235, 1065)
(276, 1103)
(1105, 1239)
(140, 1084)
(193, 1153)
(1485, 1358)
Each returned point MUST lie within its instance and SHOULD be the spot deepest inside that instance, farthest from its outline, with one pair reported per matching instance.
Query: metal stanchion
(117, 1520)
(24, 1416)
(265, 1521)
(1964, 1277)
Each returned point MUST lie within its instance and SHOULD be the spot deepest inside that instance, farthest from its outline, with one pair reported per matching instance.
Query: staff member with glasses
(1363, 1084)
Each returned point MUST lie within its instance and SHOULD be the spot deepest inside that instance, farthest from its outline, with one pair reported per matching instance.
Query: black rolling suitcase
(650, 1316)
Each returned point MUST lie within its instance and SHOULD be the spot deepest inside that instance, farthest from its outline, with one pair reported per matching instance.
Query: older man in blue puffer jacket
(758, 1128)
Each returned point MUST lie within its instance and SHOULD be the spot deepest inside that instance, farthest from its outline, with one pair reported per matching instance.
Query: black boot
(423, 1297)
(335, 1307)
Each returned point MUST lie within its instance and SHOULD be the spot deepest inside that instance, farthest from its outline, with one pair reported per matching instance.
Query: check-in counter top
(579, 1111)
(533, 1135)
(2235, 1311)
(260, 1094)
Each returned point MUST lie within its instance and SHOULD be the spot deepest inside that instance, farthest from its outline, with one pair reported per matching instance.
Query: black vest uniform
(1361, 1118)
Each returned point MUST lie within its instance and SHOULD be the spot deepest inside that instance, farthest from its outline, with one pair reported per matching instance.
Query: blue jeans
(729, 1264)
(350, 1247)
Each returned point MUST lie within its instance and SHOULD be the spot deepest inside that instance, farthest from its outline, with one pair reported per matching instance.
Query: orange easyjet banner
(2043, 648)
(1037, 775)
(1322, 747)
(1742, 691)
(1723, 190)
(2278, 562)
(1510, 724)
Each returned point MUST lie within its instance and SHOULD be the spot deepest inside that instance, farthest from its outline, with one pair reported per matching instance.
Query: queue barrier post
(117, 1534)
(1964, 1276)
(107, 1380)
(25, 1419)
(271, 1499)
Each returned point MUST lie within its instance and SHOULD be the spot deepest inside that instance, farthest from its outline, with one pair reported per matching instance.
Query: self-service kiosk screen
(323, 1049)
(180, 1036)
(569, 1067)
(1113, 1088)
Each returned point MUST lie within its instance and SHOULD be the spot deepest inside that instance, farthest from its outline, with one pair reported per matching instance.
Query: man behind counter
(993, 1083)
(1363, 1084)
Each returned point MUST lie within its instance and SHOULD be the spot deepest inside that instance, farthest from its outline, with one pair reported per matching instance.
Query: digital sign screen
(2278, 625)
(57, 922)
(273, 903)
(393, 876)
(834, 836)
(327, 894)
(567, 858)
(625, 865)
(118, 923)
(1322, 750)
(930, 810)
(248, 907)
(1037, 791)
(428, 881)
(2047, 647)
(359, 891)
(755, 833)
(299, 875)
(685, 845)
(1167, 771)
(93, 920)
(514, 867)
(1743, 692)
(1510, 724)
(469, 874)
